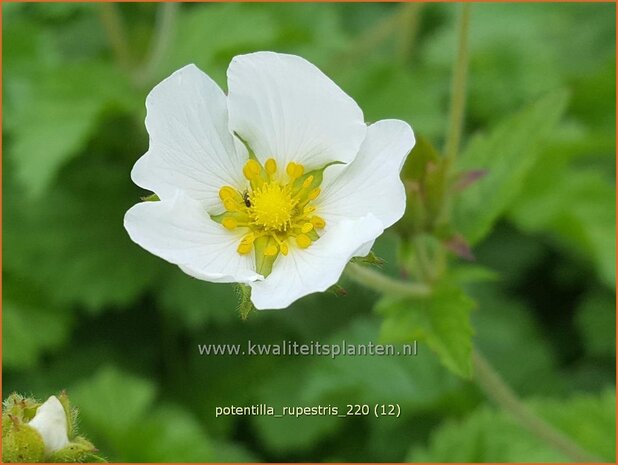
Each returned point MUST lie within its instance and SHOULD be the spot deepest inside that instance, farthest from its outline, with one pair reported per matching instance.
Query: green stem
(408, 30)
(486, 376)
(458, 88)
(425, 266)
(457, 110)
(496, 388)
(381, 283)
(369, 40)
(162, 35)
(114, 29)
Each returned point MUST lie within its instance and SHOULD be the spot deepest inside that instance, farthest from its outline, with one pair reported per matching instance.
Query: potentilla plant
(275, 186)
(43, 432)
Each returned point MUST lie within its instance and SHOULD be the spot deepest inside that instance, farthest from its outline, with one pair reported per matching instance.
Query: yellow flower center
(275, 211)
(272, 206)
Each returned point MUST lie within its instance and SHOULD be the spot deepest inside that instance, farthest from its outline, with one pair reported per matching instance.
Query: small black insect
(245, 196)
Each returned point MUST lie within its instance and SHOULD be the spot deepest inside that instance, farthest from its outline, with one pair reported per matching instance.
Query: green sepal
(337, 290)
(239, 216)
(369, 259)
(318, 177)
(20, 407)
(313, 235)
(422, 155)
(6, 425)
(150, 198)
(93, 458)
(263, 263)
(263, 173)
(424, 177)
(245, 306)
(80, 450)
(218, 218)
(70, 413)
(22, 443)
(247, 146)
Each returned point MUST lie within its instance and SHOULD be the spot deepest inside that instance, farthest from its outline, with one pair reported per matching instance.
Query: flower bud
(50, 421)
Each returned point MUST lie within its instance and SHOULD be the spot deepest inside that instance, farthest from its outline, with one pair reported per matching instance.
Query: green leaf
(589, 419)
(56, 121)
(226, 28)
(500, 324)
(385, 90)
(195, 303)
(596, 321)
(111, 403)
(287, 388)
(508, 153)
(75, 240)
(418, 383)
(442, 321)
(168, 434)
(120, 410)
(578, 208)
(492, 436)
(32, 326)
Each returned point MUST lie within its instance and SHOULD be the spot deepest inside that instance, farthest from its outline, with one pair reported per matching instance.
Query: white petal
(315, 269)
(364, 249)
(191, 147)
(371, 183)
(286, 108)
(50, 421)
(180, 231)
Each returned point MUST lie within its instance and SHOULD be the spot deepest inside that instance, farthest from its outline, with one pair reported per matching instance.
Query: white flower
(276, 185)
(50, 420)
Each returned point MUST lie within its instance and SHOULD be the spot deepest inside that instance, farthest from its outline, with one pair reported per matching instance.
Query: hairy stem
(384, 284)
(457, 109)
(425, 265)
(496, 389)
(114, 29)
(370, 39)
(458, 87)
(162, 35)
(486, 376)
(410, 20)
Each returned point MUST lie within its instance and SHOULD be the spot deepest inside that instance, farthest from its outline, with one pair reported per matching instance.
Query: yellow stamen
(231, 205)
(271, 250)
(227, 192)
(308, 182)
(318, 222)
(273, 207)
(271, 166)
(244, 248)
(294, 170)
(314, 193)
(251, 170)
(248, 238)
(229, 223)
(303, 241)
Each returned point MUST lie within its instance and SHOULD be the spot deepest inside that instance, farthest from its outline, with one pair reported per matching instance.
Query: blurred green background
(87, 310)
